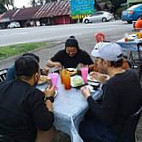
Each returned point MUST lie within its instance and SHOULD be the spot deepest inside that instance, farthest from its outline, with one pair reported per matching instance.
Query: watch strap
(51, 98)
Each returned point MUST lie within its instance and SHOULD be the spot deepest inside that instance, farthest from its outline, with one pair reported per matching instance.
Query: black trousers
(12, 138)
(92, 130)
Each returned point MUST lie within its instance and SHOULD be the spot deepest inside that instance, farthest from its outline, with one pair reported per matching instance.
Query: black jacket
(22, 111)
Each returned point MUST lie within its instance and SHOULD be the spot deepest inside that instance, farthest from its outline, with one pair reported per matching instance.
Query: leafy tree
(2, 8)
(40, 2)
(7, 3)
(117, 3)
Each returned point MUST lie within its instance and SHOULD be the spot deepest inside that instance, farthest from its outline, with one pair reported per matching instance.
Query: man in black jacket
(23, 108)
(121, 98)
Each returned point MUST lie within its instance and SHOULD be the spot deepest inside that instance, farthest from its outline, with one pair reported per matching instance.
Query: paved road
(58, 34)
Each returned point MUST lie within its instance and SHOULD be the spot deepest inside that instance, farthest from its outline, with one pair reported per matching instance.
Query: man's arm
(41, 110)
(52, 64)
(107, 110)
(11, 74)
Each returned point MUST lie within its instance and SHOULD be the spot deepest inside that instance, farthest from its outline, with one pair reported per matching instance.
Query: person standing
(24, 108)
(122, 97)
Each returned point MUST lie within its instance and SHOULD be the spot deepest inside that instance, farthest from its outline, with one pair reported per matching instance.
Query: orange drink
(67, 80)
(62, 75)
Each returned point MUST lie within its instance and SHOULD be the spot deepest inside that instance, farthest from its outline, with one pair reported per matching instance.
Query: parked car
(132, 13)
(14, 25)
(102, 16)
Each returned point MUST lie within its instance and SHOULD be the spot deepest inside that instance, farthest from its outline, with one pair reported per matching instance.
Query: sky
(21, 3)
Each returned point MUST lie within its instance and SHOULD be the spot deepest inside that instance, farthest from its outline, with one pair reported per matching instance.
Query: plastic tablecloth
(130, 45)
(69, 109)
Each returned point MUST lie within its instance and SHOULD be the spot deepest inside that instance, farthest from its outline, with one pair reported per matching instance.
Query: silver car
(14, 25)
(102, 16)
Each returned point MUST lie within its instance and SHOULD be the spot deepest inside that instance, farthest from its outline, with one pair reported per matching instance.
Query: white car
(14, 25)
(102, 16)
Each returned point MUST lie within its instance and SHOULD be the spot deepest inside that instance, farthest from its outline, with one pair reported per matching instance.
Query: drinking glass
(54, 79)
(84, 74)
(67, 80)
(62, 72)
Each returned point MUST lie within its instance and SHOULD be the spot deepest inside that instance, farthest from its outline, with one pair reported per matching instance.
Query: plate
(90, 88)
(77, 81)
(89, 78)
(55, 95)
(41, 82)
(97, 84)
(42, 88)
(72, 70)
(43, 79)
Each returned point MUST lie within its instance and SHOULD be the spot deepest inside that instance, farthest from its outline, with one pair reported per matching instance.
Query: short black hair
(72, 36)
(71, 42)
(117, 63)
(32, 55)
(26, 66)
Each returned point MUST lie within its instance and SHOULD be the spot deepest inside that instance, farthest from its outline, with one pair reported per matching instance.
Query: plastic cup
(62, 75)
(84, 74)
(67, 80)
(54, 79)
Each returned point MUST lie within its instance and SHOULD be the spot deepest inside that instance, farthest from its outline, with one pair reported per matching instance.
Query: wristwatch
(51, 99)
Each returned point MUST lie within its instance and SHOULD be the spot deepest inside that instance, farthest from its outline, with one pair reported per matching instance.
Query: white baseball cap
(96, 48)
(108, 51)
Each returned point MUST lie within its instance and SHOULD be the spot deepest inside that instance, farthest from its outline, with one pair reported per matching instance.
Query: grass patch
(11, 50)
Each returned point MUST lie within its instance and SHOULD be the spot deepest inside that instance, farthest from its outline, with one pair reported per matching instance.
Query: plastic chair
(99, 37)
(128, 132)
(3, 73)
(138, 25)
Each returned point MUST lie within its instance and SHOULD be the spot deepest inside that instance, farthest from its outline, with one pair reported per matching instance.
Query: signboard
(79, 7)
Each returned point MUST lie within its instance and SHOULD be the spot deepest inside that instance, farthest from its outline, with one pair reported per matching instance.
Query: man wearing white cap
(121, 99)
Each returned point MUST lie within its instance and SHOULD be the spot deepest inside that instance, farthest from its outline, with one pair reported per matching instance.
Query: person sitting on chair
(121, 98)
(24, 108)
(11, 73)
(70, 57)
(125, 64)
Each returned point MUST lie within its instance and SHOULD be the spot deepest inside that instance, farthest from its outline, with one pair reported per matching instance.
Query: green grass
(17, 49)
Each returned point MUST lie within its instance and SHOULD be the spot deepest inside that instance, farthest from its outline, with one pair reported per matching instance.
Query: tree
(40, 2)
(97, 7)
(7, 3)
(33, 3)
(2, 8)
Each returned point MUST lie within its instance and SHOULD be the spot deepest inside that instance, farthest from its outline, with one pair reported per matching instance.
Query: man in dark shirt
(23, 108)
(121, 98)
(70, 57)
